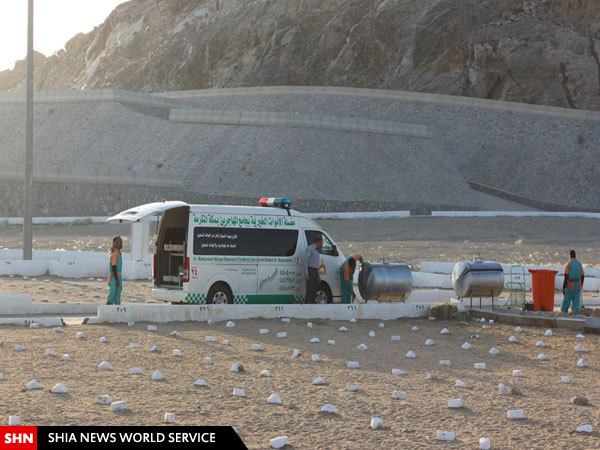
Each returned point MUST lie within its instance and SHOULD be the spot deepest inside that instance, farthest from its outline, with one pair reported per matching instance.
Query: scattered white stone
(263, 331)
(342, 328)
(19, 348)
(57, 329)
(376, 422)
(329, 409)
(274, 399)
(503, 390)
(484, 443)
(352, 320)
(49, 352)
(512, 339)
(445, 331)
(1, 376)
(118, 406)
(59, 389)
(14, 421)
(282, 334)
(104, 365)
(33, 385)
(565, 379)
(175, 334)
(158, 376)
(296, 353)
(580, 336)
(95, 295)
(415, 328)
(134, 345)
(318, 380)
(445, 436)
(135, 371)
(265, 373)
(169, 418)
(79, 335)
(41, 288)
(432, 376)
(362, 347)
(455, 403)
(515, 414)
(34, 325)
(486, 327)
(352, 387)
(256, 347)
(154, 349)
(395, 338)
(518, 329)
(103, 340)
(579, 348)
(62, 300)
(133, 300)
(279, 442)
(494, 351)
(309, 325)
(466, 346)
(80, 293)
(582, 363)
(225, 342)
(131, 323)
(353, 364)
(315, 340)
(152, 328)
(316, 357)
(410, 354)
(210, 339)
(209, 322)
(479, 366)
(176, 352)
(371, 334)
(399, 395)
(331, 342)
(235, 367)
(548, 333)
(45, 299)
(542, 357)
(460, 383)
(517, 373)
(285, 319)
(429, 342)
(239, 392)
(200, 382)
(207, 361)
(491, 321)
(431, 318)
(398, 372)
(585, 429)
(445, 362)
(230, 324)
(539, 344)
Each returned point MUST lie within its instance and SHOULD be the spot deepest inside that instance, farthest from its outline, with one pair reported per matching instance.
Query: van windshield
(244, 241)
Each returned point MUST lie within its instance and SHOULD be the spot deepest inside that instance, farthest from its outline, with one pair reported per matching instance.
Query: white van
(218, 254)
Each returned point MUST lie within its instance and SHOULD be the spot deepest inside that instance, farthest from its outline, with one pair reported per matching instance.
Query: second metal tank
(385, 282)
(477, 279)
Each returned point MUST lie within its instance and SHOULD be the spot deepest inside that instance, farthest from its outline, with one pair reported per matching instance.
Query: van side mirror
(334, 250)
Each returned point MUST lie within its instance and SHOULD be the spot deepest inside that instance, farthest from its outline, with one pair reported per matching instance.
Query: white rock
(207, 361)
(432, 376)
(279, 441)
(1, 376)
(353, 364)
(579, 348)
(445, 331)
(79, 335)
(398, 372)
(315, 340)
(62, 300)
(466, 346)
(517, 373)
(315, 357)
(455, 403)
(539, 344)
(169, 418)
(515, 414)
(415, 328)
(175, 334)
(285, 319)
(34, 325)
(445, 436)
(282, 334)
(263, 331)
(342, 328)
(395, 338)
(445, 362)
(494, 351)
(542, 357)
(460, 383)
(66, 357)
(376, 422)
(479, 366)
(512, 340)
(582, 363)
(33, 385)
(362, 347)
(135, 371)
(484, 443)
(491, 321)
(210, 339)
(585, 429)
(225, 342)
(296, 353)
(80, 293)
(235, 367)
(230, 324)
(265, 373)
(41, 288)
(134, 345)
(429, 342)
(176, 352)
(209, 322)
(318, 380)
(154, 349)
(104, 365)
(14, 421)
(580, 336)
(410, 354)
(152, 328)
(486, 327)
(95, 295)
(274, 398)
(239, 392)
(118, 406)
(57, 329)
(352, 387)
(103, 340)
(431, 318)
(503, 390)
(158, 376)
(352, 320)
(518, 329)
(565, 379)
(59, 389)
(200, 382)
(256, 347)
(399, 395)
(371, 334)
(45, 299)
(331, 342)
(329, 409)
(49, 352)
(548, 333)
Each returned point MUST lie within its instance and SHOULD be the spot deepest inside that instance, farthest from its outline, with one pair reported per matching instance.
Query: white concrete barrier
(587, 215)
(15, 303)
(360, 215)
(201, 313)
(25, 321)
(23, 267)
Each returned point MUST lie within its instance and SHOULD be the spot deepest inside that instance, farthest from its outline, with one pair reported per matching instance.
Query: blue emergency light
(272, 202)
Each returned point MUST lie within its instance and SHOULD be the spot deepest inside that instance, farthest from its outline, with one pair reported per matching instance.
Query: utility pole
(28, 188)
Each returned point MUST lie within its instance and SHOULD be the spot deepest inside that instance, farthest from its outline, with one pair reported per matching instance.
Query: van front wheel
(323, 294)
(219, 294)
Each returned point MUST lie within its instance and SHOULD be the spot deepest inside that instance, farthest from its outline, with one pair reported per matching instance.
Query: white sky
(54, 23)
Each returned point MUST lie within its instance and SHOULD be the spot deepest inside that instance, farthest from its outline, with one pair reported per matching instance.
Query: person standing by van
(347, 277)
(115, 280)
(312, 259)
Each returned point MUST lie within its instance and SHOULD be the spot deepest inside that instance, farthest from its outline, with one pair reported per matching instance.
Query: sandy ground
(550, 417)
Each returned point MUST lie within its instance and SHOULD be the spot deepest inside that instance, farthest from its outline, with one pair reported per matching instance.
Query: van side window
(328, 247)
(244, 241)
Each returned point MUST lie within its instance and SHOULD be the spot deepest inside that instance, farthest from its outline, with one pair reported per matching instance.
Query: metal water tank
(477, 279)
(385, 282)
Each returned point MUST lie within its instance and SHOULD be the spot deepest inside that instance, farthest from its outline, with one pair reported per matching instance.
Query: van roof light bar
(273, 202)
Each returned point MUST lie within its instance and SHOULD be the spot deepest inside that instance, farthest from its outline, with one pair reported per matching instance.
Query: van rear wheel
(323, 294)
(219, 294)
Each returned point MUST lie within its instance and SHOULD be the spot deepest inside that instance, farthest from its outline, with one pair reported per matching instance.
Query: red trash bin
(542, 289)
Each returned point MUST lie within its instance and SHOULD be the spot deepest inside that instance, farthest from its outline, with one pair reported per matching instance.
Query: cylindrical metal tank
(385, 282)
(477, 279)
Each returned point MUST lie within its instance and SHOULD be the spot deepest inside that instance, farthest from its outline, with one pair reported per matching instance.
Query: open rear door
(139, 213)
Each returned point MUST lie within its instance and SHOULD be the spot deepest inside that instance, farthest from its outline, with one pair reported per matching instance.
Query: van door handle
(296, 260)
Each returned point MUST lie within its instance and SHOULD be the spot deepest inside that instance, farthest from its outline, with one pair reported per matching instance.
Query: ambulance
(220, 254)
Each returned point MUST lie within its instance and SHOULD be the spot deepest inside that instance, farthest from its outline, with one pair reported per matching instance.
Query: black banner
(138, 437)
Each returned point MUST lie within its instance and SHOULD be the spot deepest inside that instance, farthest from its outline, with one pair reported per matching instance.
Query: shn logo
(18, 438)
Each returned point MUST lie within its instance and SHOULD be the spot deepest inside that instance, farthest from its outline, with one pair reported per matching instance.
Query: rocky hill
(538, 51)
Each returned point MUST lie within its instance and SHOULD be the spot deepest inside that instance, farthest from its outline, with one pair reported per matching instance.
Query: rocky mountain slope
(534, 51)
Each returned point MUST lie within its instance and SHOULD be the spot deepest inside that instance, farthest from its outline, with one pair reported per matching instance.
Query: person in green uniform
(115, 280)
(572, 284)
(347, 277)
